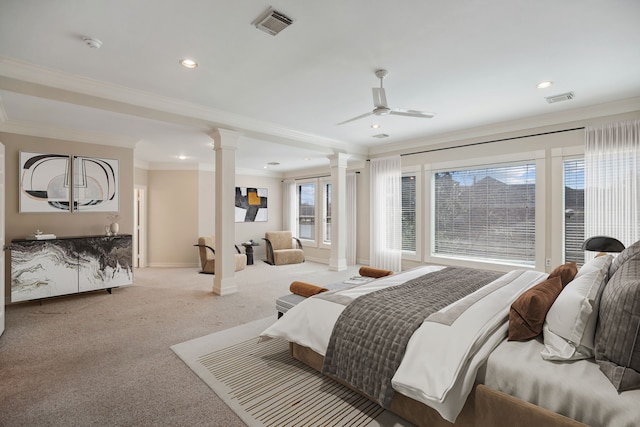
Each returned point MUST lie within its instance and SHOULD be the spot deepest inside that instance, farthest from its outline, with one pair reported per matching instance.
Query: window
(314, 211)
(326, 213)
(574, 210)
(486, 213)
(409, 212)
(307, 211)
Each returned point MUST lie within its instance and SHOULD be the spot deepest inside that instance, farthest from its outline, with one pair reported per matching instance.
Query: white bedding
(442, 378)
(575, 389)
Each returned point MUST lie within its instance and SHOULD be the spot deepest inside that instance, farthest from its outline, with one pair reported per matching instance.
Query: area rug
(265, 386)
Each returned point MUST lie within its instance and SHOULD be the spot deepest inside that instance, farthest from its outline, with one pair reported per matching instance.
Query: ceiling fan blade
(379, 97)
(411, 113)
(362, 116)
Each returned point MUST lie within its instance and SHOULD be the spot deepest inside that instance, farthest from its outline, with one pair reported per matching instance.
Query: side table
(248, 250)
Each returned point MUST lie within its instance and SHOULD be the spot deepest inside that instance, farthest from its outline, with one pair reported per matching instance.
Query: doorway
(139, 226)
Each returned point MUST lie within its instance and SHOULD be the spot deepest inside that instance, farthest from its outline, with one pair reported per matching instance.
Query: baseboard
(363, 261)
(318, 260)
(173, 265)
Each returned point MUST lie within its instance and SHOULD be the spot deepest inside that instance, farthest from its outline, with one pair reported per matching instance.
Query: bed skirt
(484, 406)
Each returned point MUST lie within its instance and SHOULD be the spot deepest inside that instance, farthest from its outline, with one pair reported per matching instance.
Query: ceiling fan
(381, 107)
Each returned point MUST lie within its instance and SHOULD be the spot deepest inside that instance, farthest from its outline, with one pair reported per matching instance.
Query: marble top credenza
(69, 265)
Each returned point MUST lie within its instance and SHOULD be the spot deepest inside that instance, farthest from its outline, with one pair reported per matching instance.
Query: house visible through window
(486, 213)
(409, 213)
(574, 210)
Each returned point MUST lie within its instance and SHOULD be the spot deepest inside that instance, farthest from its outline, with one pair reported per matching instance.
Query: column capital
(338, 160)
(224, 138)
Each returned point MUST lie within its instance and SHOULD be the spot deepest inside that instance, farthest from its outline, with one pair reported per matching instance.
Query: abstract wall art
(95, 184)
(44, 182)
(251, 204)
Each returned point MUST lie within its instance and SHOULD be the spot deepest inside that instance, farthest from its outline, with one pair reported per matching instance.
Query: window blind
(486, 213)
(574, 210)
(409, 213)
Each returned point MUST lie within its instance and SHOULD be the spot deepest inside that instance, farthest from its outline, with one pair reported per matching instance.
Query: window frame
(538, 158)
(416, 171)
(558, 156)
(322, 195)
(304, 241)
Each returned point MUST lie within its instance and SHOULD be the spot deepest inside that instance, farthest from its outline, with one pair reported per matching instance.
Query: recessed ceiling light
(188, 63)
(375, 126)
(182, 157)
(544, 85)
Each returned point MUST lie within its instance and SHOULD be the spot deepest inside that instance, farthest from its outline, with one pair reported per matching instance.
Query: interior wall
(64, 224)
(181, 207)
(172, 226)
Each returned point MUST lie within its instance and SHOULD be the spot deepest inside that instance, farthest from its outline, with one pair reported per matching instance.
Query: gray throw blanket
(370, 337)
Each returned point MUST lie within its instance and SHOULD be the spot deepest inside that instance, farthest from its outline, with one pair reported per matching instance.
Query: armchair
(283, 248)
(208, 256)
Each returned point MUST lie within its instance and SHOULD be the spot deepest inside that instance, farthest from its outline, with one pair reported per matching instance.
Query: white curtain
(289, 206)
(386, 214)
(612, 181)
(351, 210)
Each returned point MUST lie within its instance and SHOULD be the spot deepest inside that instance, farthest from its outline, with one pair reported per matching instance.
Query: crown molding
(202, 167)
(22, 127)
(182, 111)
(3, 112)
(574, 117)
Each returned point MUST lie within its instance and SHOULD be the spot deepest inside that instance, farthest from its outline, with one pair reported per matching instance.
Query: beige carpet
(265, 386)
(100, 359)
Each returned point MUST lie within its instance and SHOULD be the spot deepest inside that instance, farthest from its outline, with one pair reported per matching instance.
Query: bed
(470, 379)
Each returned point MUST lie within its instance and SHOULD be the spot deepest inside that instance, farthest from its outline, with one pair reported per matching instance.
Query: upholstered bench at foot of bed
(285, 302)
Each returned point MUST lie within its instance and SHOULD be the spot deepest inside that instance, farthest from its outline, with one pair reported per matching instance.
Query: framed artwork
(45, 182)
(251, 204)
(95, 184)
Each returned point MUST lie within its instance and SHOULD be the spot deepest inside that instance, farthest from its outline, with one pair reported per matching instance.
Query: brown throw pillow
(305, 289)
(566, 272)
(527, 313)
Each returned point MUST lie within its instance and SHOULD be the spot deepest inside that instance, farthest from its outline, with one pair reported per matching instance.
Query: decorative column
(225, 143)
(338, 258)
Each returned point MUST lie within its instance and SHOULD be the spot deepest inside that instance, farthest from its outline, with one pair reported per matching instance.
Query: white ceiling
(473, 63)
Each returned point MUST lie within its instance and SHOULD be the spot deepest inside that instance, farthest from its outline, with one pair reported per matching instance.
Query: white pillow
(570, 325)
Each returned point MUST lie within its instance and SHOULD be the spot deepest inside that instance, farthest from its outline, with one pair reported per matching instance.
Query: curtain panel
(289, 204)
(612, 181)
(386, 213)
(352, 223)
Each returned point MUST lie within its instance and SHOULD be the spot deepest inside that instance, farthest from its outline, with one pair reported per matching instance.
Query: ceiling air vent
(562, 97)
(272, 22)
(381, 135)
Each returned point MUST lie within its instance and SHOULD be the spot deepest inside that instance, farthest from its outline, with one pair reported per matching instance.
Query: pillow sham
(626, 254)
(527, 313)
(617, 341)
(570, 325)
(566, 272)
